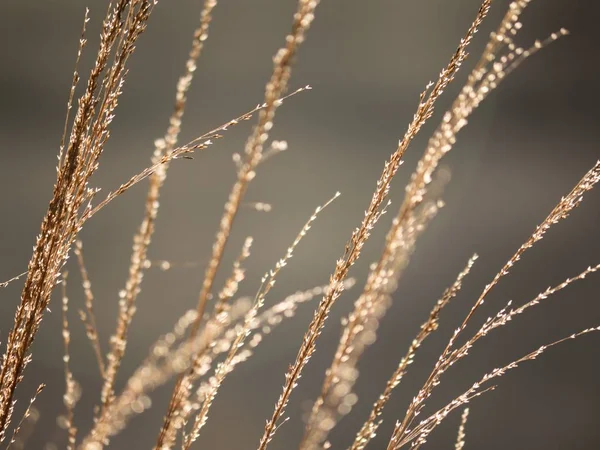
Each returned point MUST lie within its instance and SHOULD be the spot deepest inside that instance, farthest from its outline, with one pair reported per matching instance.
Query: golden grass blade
(180, 408)
(274, 90)
(500, 57)
(263, 325)
(491, 69)
(232, 284)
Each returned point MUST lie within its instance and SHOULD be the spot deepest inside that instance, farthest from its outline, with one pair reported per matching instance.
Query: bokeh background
(367, 61)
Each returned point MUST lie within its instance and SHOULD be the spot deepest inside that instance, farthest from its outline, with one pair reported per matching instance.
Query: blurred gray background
(367, 61)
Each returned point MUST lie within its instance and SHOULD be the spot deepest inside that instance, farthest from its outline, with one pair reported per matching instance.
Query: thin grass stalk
(72, 391)
(482, 80)
(88, 317)
(263, 325)
(337, 396)
(274, 91)
(30, 414)
(61, 223)
(15, 278)
(418, 436)
(185, 151)
(202, 360)
(449, 355)
(228, 365)
(142, 239)
(362, 233)
(160, 366)
(369, 428)
(460, 437)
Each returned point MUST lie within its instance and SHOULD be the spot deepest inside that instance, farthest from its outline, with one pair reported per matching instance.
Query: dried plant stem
(505, 315)
(460, 438)
(227, 366)
(261, 326)
(221, 372)
(500, 57)
(491, 69)
(163, 147)
(561, 211)
(449, 356)
(231, 285)
(88, 317)
(71, 387)
(29, 413)
(15, 278)
(181, 408)
(274, 91)
(62, 222)
(369, 428)
(419, 434)
(201, 142)
(337, 398)
(153, 373)
(361, 234)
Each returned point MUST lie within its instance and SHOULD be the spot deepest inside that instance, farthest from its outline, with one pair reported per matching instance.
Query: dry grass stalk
(232, 284)
(500, 57)
(418, 435)
(274, 91)
(15, 278)
(163, 147)
(337, 397)
(88, 317)
(372, 214)
(165, 362)
(201, 142)
(286, 309)
(162, 364)
(460, 438)
(369, 428)
(230, 362)
(450, 355)
(224, 330)
(30, 416)
(181, 407)
(72, 390)
(223, 369)
(261, 326)
(502, 318)
(489, 71)
(77, 163)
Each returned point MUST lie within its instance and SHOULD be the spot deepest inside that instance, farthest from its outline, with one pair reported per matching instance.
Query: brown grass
(205, 346)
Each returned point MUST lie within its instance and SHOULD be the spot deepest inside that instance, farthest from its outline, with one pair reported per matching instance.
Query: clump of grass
(206, 345)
